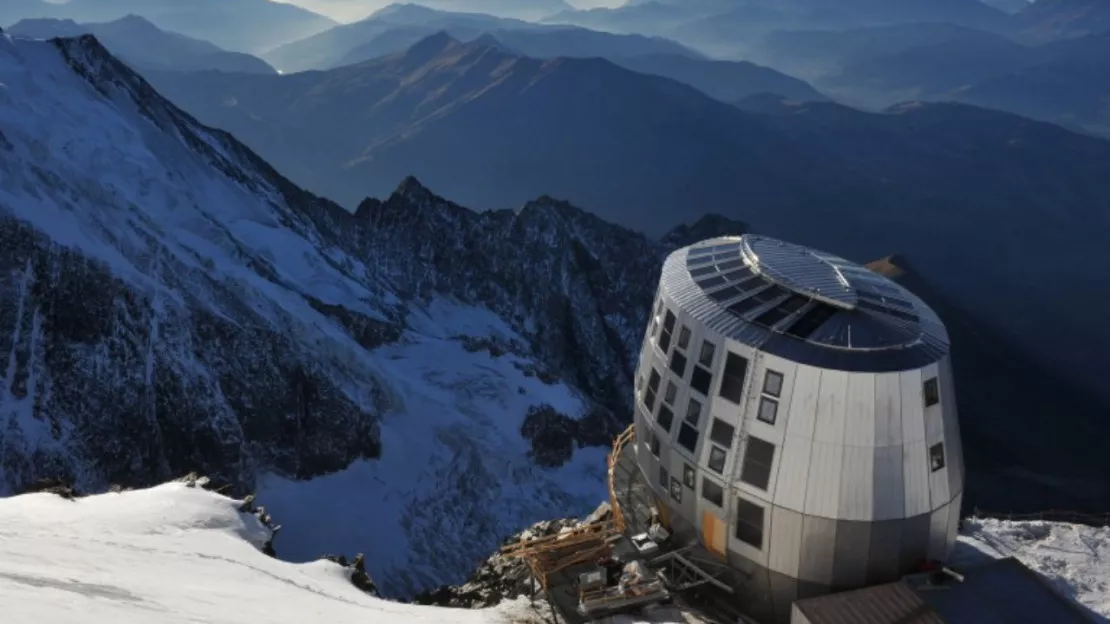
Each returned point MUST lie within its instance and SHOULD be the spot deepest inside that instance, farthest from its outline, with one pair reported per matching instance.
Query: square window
(768, 410)
(936, 456)
(654, 327)
(668, 322)
(649, 399)
(689, 476)
(664, 341)
(688, 437)
(932, 392)
(717, 457)
(659, 307)
(693, 412)
(749, 523)
(732, 383)
(646, 437)
(639, 382)
(772, 383)
(655, 445)
(676, 490)
(678, 363)
(705, 358)
(664, 476)
(701, 380)
(758, 457)
(712, 492)
(684, 338)
(665, 418)
(722, 433)
(672, 392)
(653, 381)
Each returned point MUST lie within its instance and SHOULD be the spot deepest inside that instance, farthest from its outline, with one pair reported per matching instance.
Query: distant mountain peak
(413, 189)
(433, 45)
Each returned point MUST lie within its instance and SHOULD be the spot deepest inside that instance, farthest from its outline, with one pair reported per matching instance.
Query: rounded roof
(804, 305)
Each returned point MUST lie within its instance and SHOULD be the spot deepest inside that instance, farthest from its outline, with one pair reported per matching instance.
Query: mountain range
(251, 26)
(1065, 81)
(398, 26)
(173, 303)
(144, 46)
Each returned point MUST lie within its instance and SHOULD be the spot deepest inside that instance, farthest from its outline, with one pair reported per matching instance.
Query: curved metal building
(795, 414)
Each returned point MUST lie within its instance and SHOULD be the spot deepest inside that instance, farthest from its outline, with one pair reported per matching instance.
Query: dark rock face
(578, 288)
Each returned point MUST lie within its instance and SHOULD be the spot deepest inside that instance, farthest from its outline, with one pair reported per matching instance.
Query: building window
(936, 456)
(665, 418)
(664, 476)
(689, 476)
(701, 380)
(932, 392)
(654, 444)
(722, 433)
(749, 523)
(772, 383)
(653, 387)
(712, 492)
(768, 410)
(684, 338)
(659, 307)
(676, 490)
(693, 412)
(639, 382)
(654, 327)
(717, 457)
(758, 457)
(732, 383)
(678, 364)
(668, 327)
(671, 393)
(705, 358)
(688, 437)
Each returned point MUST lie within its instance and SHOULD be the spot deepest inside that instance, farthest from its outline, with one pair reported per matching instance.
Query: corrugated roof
(804, 305)
(892, 603)
(1000, 592)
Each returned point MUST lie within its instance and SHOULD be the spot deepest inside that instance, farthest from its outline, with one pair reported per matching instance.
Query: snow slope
(174, 554)
(454, 477)
(1074, 557)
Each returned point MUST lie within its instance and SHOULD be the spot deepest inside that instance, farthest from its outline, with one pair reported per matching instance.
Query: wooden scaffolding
(550, 554)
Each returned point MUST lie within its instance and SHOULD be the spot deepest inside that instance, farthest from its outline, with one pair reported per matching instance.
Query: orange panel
(713, 533)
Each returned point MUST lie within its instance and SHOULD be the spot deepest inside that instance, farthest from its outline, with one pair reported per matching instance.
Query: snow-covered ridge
(174, 554)
(170, 303)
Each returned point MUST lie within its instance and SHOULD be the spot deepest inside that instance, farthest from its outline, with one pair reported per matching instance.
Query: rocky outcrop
(503, 578)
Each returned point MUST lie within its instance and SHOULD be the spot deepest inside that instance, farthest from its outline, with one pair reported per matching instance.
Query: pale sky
(352, 10)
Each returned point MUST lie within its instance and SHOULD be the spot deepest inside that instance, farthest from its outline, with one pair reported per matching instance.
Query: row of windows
(749, 516)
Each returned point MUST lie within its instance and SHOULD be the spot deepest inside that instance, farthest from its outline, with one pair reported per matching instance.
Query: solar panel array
(805, 294)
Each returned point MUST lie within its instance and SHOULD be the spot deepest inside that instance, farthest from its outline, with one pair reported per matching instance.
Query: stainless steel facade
(807, 479)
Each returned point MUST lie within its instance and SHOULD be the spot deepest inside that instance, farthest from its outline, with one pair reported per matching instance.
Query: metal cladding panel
(793, 474)
(953, 442)
(915, 543)
(803, 402)
(823, 489)
(819, 550)
(954, 509)
(853, 543)
(860, 427)
(680, 289)
(884, 552)
(938, 487)
(857, 484)
(889, 486)
(938, 534)
(785, 543)
(915, 477)
(888, 409)
(913, 419)
(832, 408)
